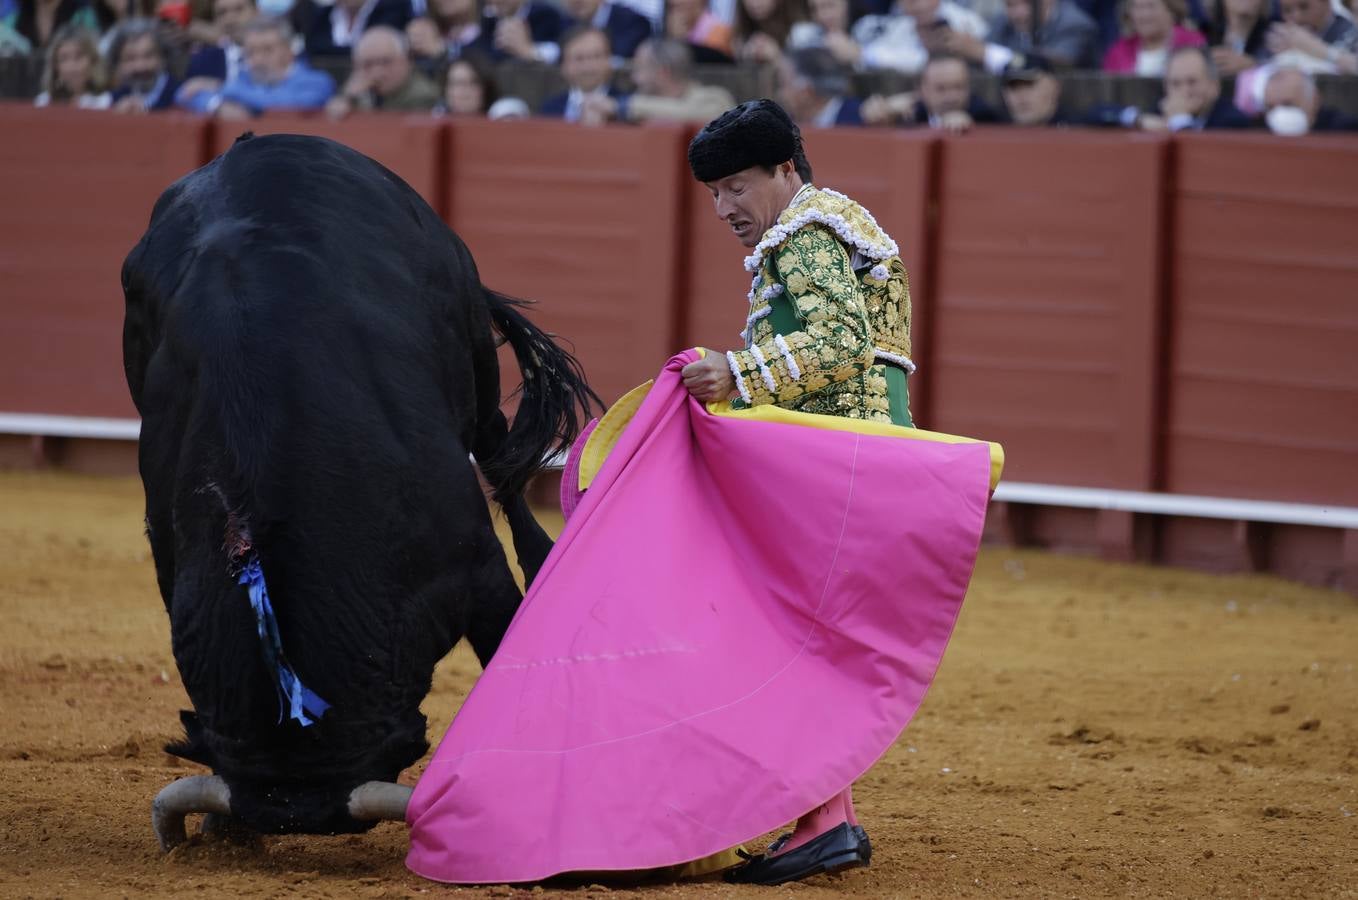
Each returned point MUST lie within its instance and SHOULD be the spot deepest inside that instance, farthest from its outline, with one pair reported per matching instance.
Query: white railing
(1007, 492)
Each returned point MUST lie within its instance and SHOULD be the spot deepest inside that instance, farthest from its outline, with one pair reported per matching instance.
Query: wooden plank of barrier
(78, 188)
(585, 221)
(1263, 377)
(893, 187)
(1046, 310)
(412, 146)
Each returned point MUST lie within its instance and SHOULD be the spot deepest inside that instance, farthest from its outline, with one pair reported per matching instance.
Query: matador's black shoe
(843, 847)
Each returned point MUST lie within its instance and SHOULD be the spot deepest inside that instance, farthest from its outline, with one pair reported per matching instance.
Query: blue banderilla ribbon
(294, 698)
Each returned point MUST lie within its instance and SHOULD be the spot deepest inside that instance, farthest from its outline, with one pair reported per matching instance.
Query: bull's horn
(199, 793)
(376, 800)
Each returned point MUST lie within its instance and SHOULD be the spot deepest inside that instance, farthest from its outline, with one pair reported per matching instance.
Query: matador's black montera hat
(755, 133)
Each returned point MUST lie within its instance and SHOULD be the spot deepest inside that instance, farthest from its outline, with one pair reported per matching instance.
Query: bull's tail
(553, 395)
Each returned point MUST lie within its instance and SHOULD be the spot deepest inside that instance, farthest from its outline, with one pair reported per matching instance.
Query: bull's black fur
(312, 354)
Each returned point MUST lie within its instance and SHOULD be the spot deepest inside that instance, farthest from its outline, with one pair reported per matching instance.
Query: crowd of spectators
(634, 60)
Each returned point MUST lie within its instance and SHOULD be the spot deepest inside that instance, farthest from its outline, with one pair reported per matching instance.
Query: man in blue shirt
(271, 77)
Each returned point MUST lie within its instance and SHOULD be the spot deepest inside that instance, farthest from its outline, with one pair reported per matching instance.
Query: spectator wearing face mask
(1291, 104)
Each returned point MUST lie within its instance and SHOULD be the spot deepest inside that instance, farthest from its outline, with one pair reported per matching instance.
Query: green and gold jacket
(829, 324)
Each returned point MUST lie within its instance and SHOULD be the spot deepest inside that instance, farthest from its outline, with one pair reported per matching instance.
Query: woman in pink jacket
(1155, 31)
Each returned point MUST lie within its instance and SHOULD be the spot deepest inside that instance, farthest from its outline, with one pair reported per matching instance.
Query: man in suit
(529, 30)
(139, 55)
(219, 60)
(626, 28)
(945, 100)
(813, 87)
(335, 30)
(587, 67)
(1192, 100)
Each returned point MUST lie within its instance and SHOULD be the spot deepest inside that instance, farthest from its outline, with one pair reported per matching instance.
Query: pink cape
(740, 617)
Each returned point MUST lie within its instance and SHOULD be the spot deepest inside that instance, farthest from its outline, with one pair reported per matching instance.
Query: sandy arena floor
(1096, 730)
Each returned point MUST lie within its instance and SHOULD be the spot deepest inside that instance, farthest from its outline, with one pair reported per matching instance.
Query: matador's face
(750, 201)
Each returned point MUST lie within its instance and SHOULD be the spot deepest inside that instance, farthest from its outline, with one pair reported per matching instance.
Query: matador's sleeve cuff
(756, 378)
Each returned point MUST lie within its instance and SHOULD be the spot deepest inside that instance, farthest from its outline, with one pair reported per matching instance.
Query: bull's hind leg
(531, 543)
(495, 598)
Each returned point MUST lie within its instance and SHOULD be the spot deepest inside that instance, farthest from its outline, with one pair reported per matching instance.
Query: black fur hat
(755, 133)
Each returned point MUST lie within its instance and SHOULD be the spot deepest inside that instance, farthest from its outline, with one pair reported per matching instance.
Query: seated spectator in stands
(212, 66)
(905, 40)
(708, 37)
(1155, 28)
(814, 88)
(828, 27)
(586, 64)
(220, 56)
(626, 28)
(270, 78)
(447, 28)
(1065, 36)
(1193, 100)
(335, 30)
(1237, 34)
(666, 91)
(943, 101)
(384, 77)
(140, 58)
(1313, 36)
(37, 21)
(529, 30)
(469, 88)
(763, 27)
(1032, 93)
(1291, 105)
(73, 73)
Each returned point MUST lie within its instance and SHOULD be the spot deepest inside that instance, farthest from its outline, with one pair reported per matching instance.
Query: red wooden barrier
(1046, 302)
(411, 146)
(583, 221)
(893, 186)
(1263, 390)
(77, 191)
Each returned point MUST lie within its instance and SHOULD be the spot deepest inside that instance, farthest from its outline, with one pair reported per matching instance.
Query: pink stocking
(832, 812)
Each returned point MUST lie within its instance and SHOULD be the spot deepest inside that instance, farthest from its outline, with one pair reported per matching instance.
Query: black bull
(314, 357)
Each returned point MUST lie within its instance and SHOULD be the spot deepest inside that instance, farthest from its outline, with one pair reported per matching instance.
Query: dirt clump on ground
(1095, 730)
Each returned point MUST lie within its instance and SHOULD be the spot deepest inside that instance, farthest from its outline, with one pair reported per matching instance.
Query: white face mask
(1289, 121)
